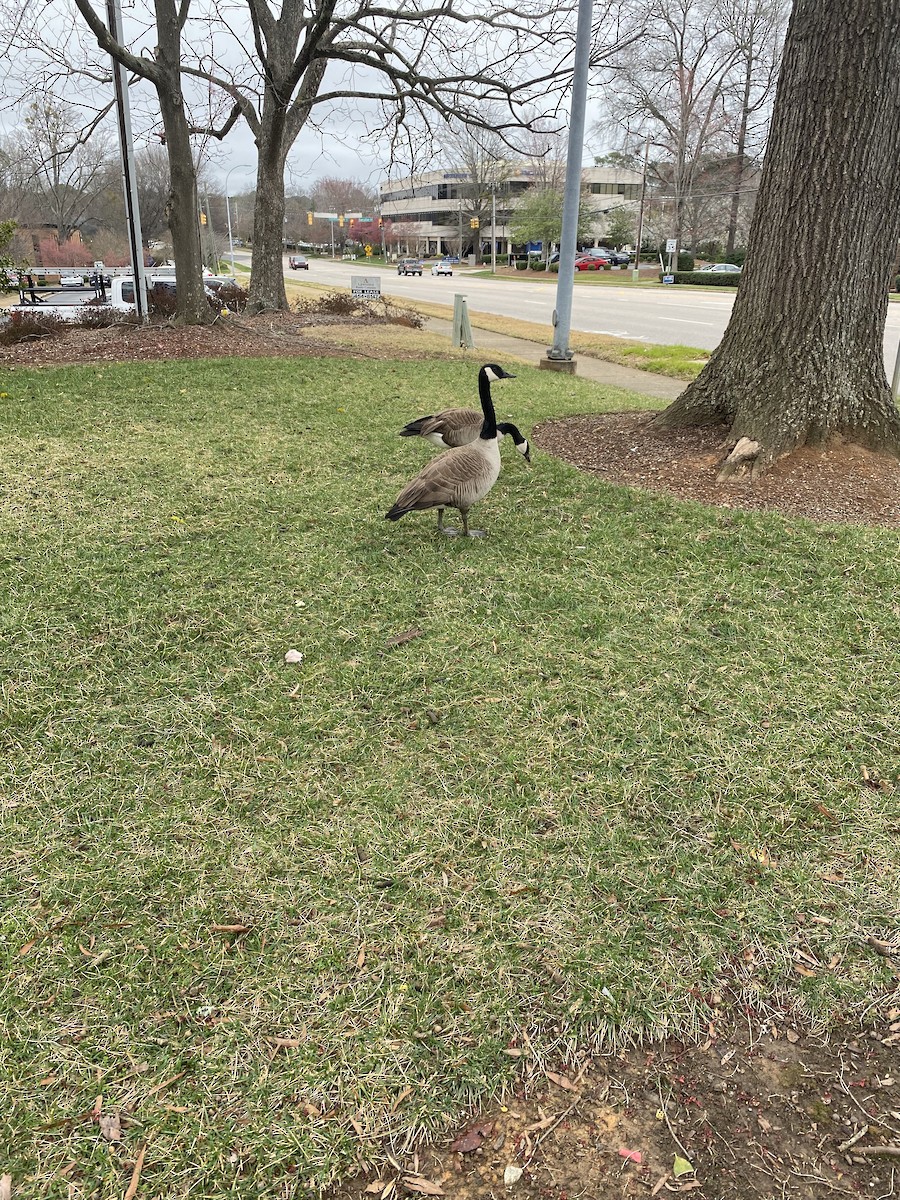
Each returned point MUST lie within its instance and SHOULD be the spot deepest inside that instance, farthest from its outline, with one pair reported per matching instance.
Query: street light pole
(493, 232)
(559, 356)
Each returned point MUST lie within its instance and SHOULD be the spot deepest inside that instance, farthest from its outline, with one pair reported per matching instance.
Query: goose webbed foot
(475, 533)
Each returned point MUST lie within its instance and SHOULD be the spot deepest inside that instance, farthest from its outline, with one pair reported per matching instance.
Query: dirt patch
(837, 483)
(757, 1110)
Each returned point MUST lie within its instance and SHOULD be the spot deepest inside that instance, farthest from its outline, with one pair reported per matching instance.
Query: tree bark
(267, 278)
(802, 358)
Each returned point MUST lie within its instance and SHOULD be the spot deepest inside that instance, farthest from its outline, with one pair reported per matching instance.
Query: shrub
(522, 264)
(233, 296)
(30, 327)
(738, 257)
(897, 284)
(685, 262)
(706, 278)
(538, 264)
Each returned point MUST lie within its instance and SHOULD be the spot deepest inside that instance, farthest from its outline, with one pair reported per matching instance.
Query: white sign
(668, 278)
(671, 245)
(367, 287)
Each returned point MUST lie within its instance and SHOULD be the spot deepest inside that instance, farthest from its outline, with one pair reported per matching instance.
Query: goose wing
(456, 426)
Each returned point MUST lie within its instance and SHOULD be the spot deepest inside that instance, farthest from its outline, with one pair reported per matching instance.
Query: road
(665, 317)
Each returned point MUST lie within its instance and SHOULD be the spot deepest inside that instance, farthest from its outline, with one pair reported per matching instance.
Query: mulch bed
(837, 483)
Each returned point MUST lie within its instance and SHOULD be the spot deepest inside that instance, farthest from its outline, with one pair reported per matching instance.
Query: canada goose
(462, 476)
(459, 427)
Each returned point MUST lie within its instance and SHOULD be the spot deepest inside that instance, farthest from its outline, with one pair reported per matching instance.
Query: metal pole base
(566, 366)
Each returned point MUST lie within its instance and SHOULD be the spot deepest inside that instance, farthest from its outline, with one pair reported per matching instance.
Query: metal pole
(565, 285)
(493, 232)
(636, 273)
(129, 174)
(460, 229)
(230, 238)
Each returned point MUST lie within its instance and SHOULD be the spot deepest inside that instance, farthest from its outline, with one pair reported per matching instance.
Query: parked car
(721, 269)
(71, 280)
(618, 258)
(298, 263)
(590, 262)
(444, 267)
(409, 266)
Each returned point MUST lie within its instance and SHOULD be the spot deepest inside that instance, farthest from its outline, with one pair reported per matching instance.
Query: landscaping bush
(233, 296)
(522, 264)
(685, 262)
(738, 257)
(897, 284)
(538, 264)
(706, 278)
(29, 327)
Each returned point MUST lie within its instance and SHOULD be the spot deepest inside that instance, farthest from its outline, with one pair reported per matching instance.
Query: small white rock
(293, 656)
(512, 1174)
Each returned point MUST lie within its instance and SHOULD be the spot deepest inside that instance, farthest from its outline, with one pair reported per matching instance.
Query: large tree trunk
(267, 277)
(802, 356)
(182, 207)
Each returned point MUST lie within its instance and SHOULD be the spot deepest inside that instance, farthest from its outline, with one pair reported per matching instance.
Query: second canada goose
(458, 427)
(462, 476)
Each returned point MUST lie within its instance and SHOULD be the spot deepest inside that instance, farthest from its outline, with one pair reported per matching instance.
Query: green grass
(620, 765)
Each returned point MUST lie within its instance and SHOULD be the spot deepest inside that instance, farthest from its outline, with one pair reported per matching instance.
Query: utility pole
(636, 273)
(460, 229)
(559, 356)
(129, 174)
(493, 232)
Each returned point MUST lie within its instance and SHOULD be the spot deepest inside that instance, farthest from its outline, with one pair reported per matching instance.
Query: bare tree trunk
(802, 356)
(267, 278)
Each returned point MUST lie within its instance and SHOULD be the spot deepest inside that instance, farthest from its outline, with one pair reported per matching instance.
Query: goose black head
(493, 372)
(520, 442)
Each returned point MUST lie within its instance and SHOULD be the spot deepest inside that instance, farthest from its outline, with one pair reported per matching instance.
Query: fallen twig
(851, 1141)
(662, 1105)
(880, 1151)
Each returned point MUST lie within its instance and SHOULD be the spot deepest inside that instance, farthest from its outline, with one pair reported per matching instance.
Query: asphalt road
(664, 317)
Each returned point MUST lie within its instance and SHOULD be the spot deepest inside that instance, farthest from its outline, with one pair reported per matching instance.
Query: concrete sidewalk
(612, 374)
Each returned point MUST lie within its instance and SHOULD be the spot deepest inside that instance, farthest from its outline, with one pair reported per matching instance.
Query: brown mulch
(838, 483)
(759, 1110)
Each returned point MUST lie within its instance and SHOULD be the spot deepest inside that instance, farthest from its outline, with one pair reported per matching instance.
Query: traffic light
(341, 221)
(203, 218)
(381, 222)
(474, 223)
(309, 218)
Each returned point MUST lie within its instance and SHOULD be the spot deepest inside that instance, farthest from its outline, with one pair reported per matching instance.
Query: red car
(590, 262)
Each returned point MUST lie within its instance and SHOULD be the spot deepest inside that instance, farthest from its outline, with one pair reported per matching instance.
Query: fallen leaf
(416, 1183)
(545, 1124)
(24, 950)
(472, 1138)
(231, 928)
(765, 1126)
(561, 1081)
(681, 1166)
(110, 1127)
(512, 1174)
(400, 639)
(377, 1185)
(5, 1187)
(293, 656)
(792, 1037)
(804, 971)
(630, 1155)
(659, 1185)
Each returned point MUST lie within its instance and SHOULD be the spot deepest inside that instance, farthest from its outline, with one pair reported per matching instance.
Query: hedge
(706, 278)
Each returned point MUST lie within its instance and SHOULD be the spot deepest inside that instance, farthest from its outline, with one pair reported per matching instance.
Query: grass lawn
(544, 789)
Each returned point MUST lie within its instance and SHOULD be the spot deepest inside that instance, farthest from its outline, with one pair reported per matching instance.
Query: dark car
(409, 266)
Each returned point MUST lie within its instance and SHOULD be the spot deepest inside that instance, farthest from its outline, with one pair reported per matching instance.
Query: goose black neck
(510, 430)
(489, 425)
